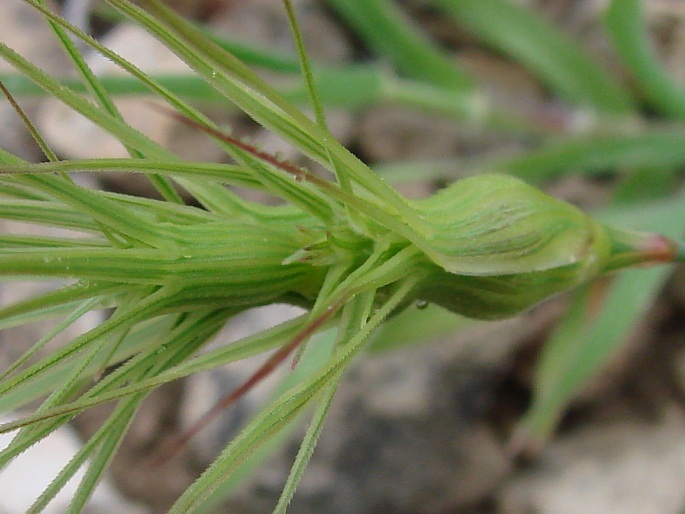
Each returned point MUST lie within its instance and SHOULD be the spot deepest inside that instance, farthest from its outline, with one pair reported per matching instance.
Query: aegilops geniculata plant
(352, 251)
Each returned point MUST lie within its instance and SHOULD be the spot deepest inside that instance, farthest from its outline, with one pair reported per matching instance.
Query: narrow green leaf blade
(544, 49)
(627, 28)
(585, 341)
(391, 33)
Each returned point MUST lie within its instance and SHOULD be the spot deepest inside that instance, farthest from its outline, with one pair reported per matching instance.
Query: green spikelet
(501, 246)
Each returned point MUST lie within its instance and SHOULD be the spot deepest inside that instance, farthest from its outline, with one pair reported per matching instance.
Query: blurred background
(574, 407)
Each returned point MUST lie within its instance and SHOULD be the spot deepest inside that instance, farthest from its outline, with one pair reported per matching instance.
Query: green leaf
(543, 48)
(586, 340)
(658, 148)
(281, 412)
(314, 356)
(582, 344)
(260, 101)
(390, 32)
(628, 30)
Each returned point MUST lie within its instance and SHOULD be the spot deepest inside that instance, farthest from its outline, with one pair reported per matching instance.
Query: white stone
(627, 468)
(25, 478)
(73, 136)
